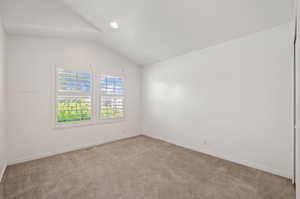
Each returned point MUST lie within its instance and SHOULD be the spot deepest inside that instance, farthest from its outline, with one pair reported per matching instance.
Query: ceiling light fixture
(114, 25)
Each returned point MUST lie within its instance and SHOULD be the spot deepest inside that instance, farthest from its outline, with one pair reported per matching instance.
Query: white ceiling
(150, 30)
(43, 17)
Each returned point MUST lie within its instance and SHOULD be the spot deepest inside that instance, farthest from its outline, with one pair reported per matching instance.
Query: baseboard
(75, 148)
(248, 164)
(231, 159)
(209, 152)
(2, 172)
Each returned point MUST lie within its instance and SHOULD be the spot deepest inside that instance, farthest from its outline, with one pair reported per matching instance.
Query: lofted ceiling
(43, 17)
(150, 30)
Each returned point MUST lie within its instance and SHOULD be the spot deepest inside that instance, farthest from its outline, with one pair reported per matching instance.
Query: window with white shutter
(111, 97)
(73, 96)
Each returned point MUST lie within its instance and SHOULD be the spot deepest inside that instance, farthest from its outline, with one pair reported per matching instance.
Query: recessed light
(114, 25)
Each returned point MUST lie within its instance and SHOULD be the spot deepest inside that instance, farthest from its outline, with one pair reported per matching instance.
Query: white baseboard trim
(2, 172)
(74, 148)
(218, 155)
(248, 164)
(231, 159)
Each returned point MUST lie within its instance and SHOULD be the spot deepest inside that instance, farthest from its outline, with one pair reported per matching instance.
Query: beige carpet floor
(140, 168)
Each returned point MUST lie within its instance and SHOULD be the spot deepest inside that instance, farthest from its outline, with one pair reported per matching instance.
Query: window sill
(87, 123)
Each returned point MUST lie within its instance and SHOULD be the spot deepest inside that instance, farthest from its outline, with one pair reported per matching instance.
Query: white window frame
(100, 94)
(73, 94)
(95, 94)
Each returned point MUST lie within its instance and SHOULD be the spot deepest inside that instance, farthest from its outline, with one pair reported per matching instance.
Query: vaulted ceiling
(150, 30)
(43, 17)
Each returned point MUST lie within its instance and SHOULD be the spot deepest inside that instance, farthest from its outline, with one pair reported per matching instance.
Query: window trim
(95, 95)
(99, 95)
(75, 94)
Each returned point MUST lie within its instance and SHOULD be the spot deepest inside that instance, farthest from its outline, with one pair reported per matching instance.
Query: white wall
(233, 100)
(30, 85)
(298, 103)
(3, 151)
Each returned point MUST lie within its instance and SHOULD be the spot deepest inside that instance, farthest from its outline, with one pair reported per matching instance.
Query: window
(111, 97)
(73, 96)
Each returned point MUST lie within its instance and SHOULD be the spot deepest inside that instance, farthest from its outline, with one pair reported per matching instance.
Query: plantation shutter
(111, 97)
(73, 96)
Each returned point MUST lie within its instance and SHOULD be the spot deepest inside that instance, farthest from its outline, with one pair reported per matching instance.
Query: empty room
(149, 99)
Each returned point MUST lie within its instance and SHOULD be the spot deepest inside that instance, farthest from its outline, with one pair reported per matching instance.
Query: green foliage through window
(71, 109)
(73, 96)
(112, 97)
(111, 107)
